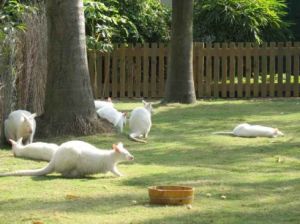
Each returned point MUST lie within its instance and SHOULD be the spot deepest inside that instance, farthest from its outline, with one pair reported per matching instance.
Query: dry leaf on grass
(71, 197)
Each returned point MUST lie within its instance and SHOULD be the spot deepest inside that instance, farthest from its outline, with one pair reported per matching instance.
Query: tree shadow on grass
(267, 216)
(99, 204)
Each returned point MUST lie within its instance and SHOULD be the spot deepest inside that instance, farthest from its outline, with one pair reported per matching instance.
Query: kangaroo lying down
(78, 159)
(36, 150)
(247, 130)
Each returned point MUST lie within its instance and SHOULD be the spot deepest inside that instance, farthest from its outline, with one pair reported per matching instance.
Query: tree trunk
(180, 83)
(69, 107)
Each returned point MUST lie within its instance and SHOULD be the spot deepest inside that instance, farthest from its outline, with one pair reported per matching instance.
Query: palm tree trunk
(180, 83)
(69, 106)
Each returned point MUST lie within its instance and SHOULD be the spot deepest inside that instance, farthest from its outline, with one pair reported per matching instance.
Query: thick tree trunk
(69, 106)
(180, 84)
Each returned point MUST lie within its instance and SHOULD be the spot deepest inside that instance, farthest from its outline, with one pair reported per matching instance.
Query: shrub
(240, 20)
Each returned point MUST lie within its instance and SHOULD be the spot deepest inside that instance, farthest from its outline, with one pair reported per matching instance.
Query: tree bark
(69, 107)
(180, 83)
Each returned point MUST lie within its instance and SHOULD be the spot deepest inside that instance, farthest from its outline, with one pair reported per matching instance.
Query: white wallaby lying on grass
(36, 150)
(118, 119)
(247, 130)
(78, 159)
(20, 124)
(101, 103)
(140, 122)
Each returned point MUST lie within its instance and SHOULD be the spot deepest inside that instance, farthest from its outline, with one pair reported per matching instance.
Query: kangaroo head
(277, 132)
(122, 153)
(27, 122)
(148, 106)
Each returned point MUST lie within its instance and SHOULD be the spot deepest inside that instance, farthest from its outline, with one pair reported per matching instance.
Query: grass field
(236, 180)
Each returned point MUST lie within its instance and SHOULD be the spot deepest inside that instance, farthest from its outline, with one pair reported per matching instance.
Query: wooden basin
(171, 195)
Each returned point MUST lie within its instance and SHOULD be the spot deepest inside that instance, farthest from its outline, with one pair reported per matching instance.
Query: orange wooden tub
(171, 195)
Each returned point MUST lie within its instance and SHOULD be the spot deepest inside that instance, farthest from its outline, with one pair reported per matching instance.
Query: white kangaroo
(101, 103)
(247, 130)
(36, 150)
(20, 124)
(140, 122)
(118, 119)
(78, 159)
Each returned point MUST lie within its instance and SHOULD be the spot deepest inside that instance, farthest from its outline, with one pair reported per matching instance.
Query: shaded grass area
(236, 180)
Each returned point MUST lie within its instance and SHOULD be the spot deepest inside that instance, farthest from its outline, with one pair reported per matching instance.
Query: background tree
(125, 21)
(240, 20)
(69, 107)
(180, 82)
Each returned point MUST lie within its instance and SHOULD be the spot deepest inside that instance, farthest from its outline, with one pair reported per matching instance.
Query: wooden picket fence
(227, 70)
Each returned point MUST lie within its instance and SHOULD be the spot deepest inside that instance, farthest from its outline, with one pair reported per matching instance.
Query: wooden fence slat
(200, 71)
(264, 70)
(115, 72)
(138, 75)
(216, 71)
(105, 90)
(280, 70)
(93, 72)
(161, 73)
(248, 71)
(296, 71)
(146, 70)
(224, 72)
(288, 70)
(130, 71)
(122, 71)
(153, 69)
(208, 75)
(272, 71)
(256, 72)
(232, 70)
(240, 71)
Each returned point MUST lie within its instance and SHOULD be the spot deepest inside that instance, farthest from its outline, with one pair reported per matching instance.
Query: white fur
(140, 122)
(118, 119)
(36, 150)
(100, 103)
(78, 159)
(247, 130)
(20, 124)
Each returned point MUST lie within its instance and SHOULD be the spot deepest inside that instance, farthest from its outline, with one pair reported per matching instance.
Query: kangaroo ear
(12, 142)
(116, 148)
(125, 114)
(120, 145)
(33, 115)
(19, 141)
(144, 102)
(109, 99)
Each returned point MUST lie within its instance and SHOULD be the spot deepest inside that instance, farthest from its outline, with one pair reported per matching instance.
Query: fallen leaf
(72, 197)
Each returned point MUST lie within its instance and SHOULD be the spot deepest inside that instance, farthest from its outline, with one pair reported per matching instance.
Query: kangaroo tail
(39, 172)
(133, 136)
(223, 133)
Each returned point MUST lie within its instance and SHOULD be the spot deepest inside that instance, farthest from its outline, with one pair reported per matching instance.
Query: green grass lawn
(260, 177)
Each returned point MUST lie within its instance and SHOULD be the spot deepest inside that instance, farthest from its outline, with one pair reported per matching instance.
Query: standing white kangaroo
(247, 130)
(36, 150)
(101, 103)
(78, 159)
(20, 124)
(118, 119)
(140, 122)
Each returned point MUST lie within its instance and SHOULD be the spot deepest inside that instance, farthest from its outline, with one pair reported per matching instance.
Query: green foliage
(112, 21)
(151, 18)
(240, 20)
(105, 25)
(10, 16)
